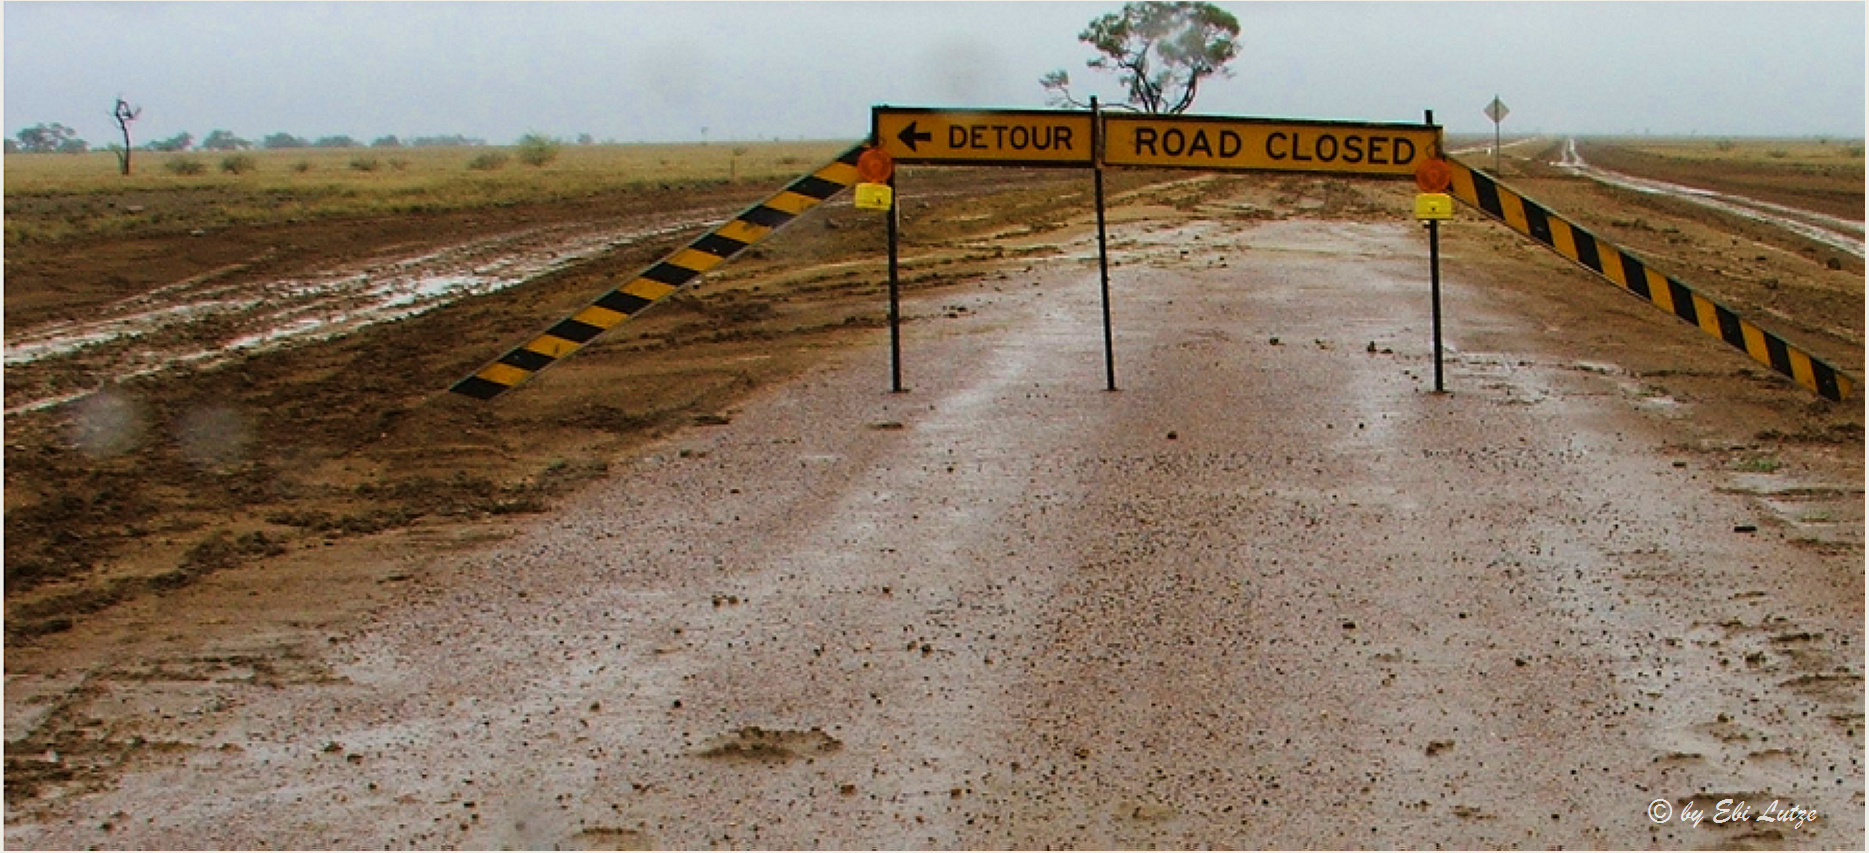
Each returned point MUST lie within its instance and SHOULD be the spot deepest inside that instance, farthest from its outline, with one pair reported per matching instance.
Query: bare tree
(124, 114)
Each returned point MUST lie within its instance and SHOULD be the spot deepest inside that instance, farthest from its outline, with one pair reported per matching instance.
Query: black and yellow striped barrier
(662, 279)
(1628, 272)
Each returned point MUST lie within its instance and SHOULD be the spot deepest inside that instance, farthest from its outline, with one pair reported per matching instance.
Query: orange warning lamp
(875, 166)
(1434, 175)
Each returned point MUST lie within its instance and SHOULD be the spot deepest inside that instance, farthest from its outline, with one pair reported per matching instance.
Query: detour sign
(984, 137)
(1266, 144)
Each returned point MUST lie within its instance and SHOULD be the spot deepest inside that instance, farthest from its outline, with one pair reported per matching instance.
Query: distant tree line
(533, 149)
(287, 140)
(47, 138)
(57, 138)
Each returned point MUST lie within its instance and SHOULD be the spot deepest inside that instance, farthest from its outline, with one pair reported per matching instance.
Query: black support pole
(1434, 274)
(1496, 141)
(895, 294)
(1103, 245)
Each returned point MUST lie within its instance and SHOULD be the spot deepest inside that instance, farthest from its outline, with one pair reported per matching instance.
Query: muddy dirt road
(1274, 593)
(161, 330)
(1840, 233)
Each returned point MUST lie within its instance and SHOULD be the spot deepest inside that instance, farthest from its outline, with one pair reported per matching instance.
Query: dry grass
(1730, 150)
(82, 195)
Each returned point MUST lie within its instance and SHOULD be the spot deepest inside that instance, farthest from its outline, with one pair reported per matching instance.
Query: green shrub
(239, 164)
(185, 166)
(536, 150)
(366, 164)
(488, 162)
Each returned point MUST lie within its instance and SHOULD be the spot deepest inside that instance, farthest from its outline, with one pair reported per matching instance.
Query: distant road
(1488, 149)
(1833, 231)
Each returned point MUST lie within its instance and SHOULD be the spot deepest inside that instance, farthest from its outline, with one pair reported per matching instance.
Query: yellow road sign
(1249, 144)
(984, 137)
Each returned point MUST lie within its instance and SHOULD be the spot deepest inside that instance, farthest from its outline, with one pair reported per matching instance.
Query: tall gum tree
(1160, 52)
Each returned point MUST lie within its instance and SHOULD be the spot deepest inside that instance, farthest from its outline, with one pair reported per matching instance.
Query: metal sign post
(1497, 112)
(1434, 287)
(877, 171)
(1433, 177)
(1103, 246)
(895, 292)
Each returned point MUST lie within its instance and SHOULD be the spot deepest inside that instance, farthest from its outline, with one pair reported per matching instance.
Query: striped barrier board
(1538, 222)
(662, 279)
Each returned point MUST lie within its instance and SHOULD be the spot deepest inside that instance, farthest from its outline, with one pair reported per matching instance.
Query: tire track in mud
(1832, 231)
(216, 317)
(210, 319)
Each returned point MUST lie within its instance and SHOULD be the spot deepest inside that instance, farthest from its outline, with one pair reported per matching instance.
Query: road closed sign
(984, 137)
(1248, 144)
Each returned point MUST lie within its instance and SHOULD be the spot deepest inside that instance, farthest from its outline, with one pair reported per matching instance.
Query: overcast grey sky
(664, 71)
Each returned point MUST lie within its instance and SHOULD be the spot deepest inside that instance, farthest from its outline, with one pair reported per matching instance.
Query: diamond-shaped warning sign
(1497, 110)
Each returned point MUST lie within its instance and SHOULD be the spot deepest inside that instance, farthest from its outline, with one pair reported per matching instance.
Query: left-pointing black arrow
(909, 137)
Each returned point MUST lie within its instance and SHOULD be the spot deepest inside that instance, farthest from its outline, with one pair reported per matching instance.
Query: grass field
(51, 197)
(1816, 151)
(1812, 152)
